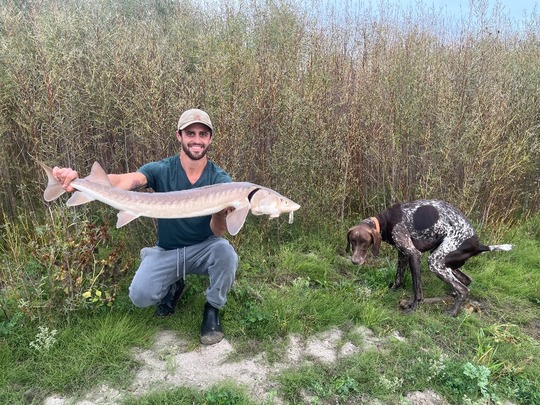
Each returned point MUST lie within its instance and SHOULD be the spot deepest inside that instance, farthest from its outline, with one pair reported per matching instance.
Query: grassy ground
(303, 284)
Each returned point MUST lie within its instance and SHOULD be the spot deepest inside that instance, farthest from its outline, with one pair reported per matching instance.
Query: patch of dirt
(170, 363)
(469, 305)
(533, 329)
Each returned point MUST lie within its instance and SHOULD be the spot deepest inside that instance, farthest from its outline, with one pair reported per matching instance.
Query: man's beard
(186, 150)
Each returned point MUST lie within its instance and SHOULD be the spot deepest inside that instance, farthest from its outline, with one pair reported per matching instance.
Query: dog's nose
(358, 260)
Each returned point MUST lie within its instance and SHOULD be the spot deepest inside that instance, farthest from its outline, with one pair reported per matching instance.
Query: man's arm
(126, 181)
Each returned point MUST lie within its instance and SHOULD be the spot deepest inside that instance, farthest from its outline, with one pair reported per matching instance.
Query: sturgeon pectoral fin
(236, 219)
(124, 218)
(78, 198)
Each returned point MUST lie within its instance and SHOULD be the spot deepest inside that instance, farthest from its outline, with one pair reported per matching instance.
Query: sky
(506, 16)
(514, 8)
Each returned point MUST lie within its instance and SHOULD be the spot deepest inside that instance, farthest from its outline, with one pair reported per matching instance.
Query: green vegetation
(294, 284)
(345, 111)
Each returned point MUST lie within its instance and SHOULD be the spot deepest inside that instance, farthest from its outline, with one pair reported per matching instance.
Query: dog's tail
(494, 248)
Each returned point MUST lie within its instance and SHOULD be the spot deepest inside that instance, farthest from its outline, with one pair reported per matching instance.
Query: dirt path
(170, 364)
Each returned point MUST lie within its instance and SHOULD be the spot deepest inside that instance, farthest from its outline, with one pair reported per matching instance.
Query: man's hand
(226, 211)
(65, 175)
(218, 223)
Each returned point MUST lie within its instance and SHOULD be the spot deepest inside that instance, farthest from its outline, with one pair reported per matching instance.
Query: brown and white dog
(416, 227)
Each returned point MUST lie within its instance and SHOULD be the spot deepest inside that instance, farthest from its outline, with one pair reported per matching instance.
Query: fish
(207, 200)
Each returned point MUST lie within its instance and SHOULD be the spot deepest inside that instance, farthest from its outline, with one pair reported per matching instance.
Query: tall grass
(344, 109)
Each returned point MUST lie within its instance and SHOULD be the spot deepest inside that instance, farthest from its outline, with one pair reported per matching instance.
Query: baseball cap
(193, 116)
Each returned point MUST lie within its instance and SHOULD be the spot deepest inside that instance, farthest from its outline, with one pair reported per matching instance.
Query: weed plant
(62, 263)
(345, 110)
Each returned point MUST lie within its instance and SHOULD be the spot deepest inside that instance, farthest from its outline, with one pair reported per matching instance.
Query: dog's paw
(452, 312)
(408, 306)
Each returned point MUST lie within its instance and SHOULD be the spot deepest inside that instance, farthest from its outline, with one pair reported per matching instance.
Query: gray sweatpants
(160, 268)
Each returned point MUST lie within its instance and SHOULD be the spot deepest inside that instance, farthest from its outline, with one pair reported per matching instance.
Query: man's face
(195, 140)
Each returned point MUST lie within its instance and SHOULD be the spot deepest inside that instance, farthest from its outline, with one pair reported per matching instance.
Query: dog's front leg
(414, 263)
(409, 254)
(402, 264)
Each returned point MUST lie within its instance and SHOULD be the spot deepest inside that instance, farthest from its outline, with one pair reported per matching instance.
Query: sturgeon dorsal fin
(98, 175)
(235, 219)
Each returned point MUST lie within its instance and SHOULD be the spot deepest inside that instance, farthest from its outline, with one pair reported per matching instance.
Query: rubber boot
(168, 304)
(211, 332)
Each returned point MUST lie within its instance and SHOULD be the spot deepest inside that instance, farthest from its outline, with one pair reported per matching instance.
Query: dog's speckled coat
(416, 227)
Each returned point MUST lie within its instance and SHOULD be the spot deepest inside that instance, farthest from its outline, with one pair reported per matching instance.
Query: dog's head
(361, 237)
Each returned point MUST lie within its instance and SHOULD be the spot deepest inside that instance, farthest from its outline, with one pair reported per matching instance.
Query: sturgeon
(196, 202)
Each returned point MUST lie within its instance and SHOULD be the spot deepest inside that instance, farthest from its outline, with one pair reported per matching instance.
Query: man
(184, 246)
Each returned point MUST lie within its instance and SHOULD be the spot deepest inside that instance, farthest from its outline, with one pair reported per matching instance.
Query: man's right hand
(65, 175)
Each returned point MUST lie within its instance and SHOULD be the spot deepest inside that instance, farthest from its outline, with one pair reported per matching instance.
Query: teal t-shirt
(168, 175)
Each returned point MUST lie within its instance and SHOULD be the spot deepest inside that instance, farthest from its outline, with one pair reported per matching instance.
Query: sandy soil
(169, 363)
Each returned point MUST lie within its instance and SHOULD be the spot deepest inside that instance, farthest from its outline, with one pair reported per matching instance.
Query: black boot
(168, 304)
(211, 327)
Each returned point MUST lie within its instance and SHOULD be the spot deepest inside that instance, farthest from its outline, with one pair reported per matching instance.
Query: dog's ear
(376, 236)
(348, 248)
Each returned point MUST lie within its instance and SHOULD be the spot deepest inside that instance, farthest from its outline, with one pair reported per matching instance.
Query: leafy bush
(61, 265)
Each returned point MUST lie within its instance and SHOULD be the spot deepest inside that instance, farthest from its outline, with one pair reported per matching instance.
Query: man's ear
(376, 238)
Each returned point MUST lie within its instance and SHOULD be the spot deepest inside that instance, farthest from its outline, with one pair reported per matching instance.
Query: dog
(417, 227)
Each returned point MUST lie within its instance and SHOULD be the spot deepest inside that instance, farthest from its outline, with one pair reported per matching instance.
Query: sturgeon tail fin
(54, 188)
